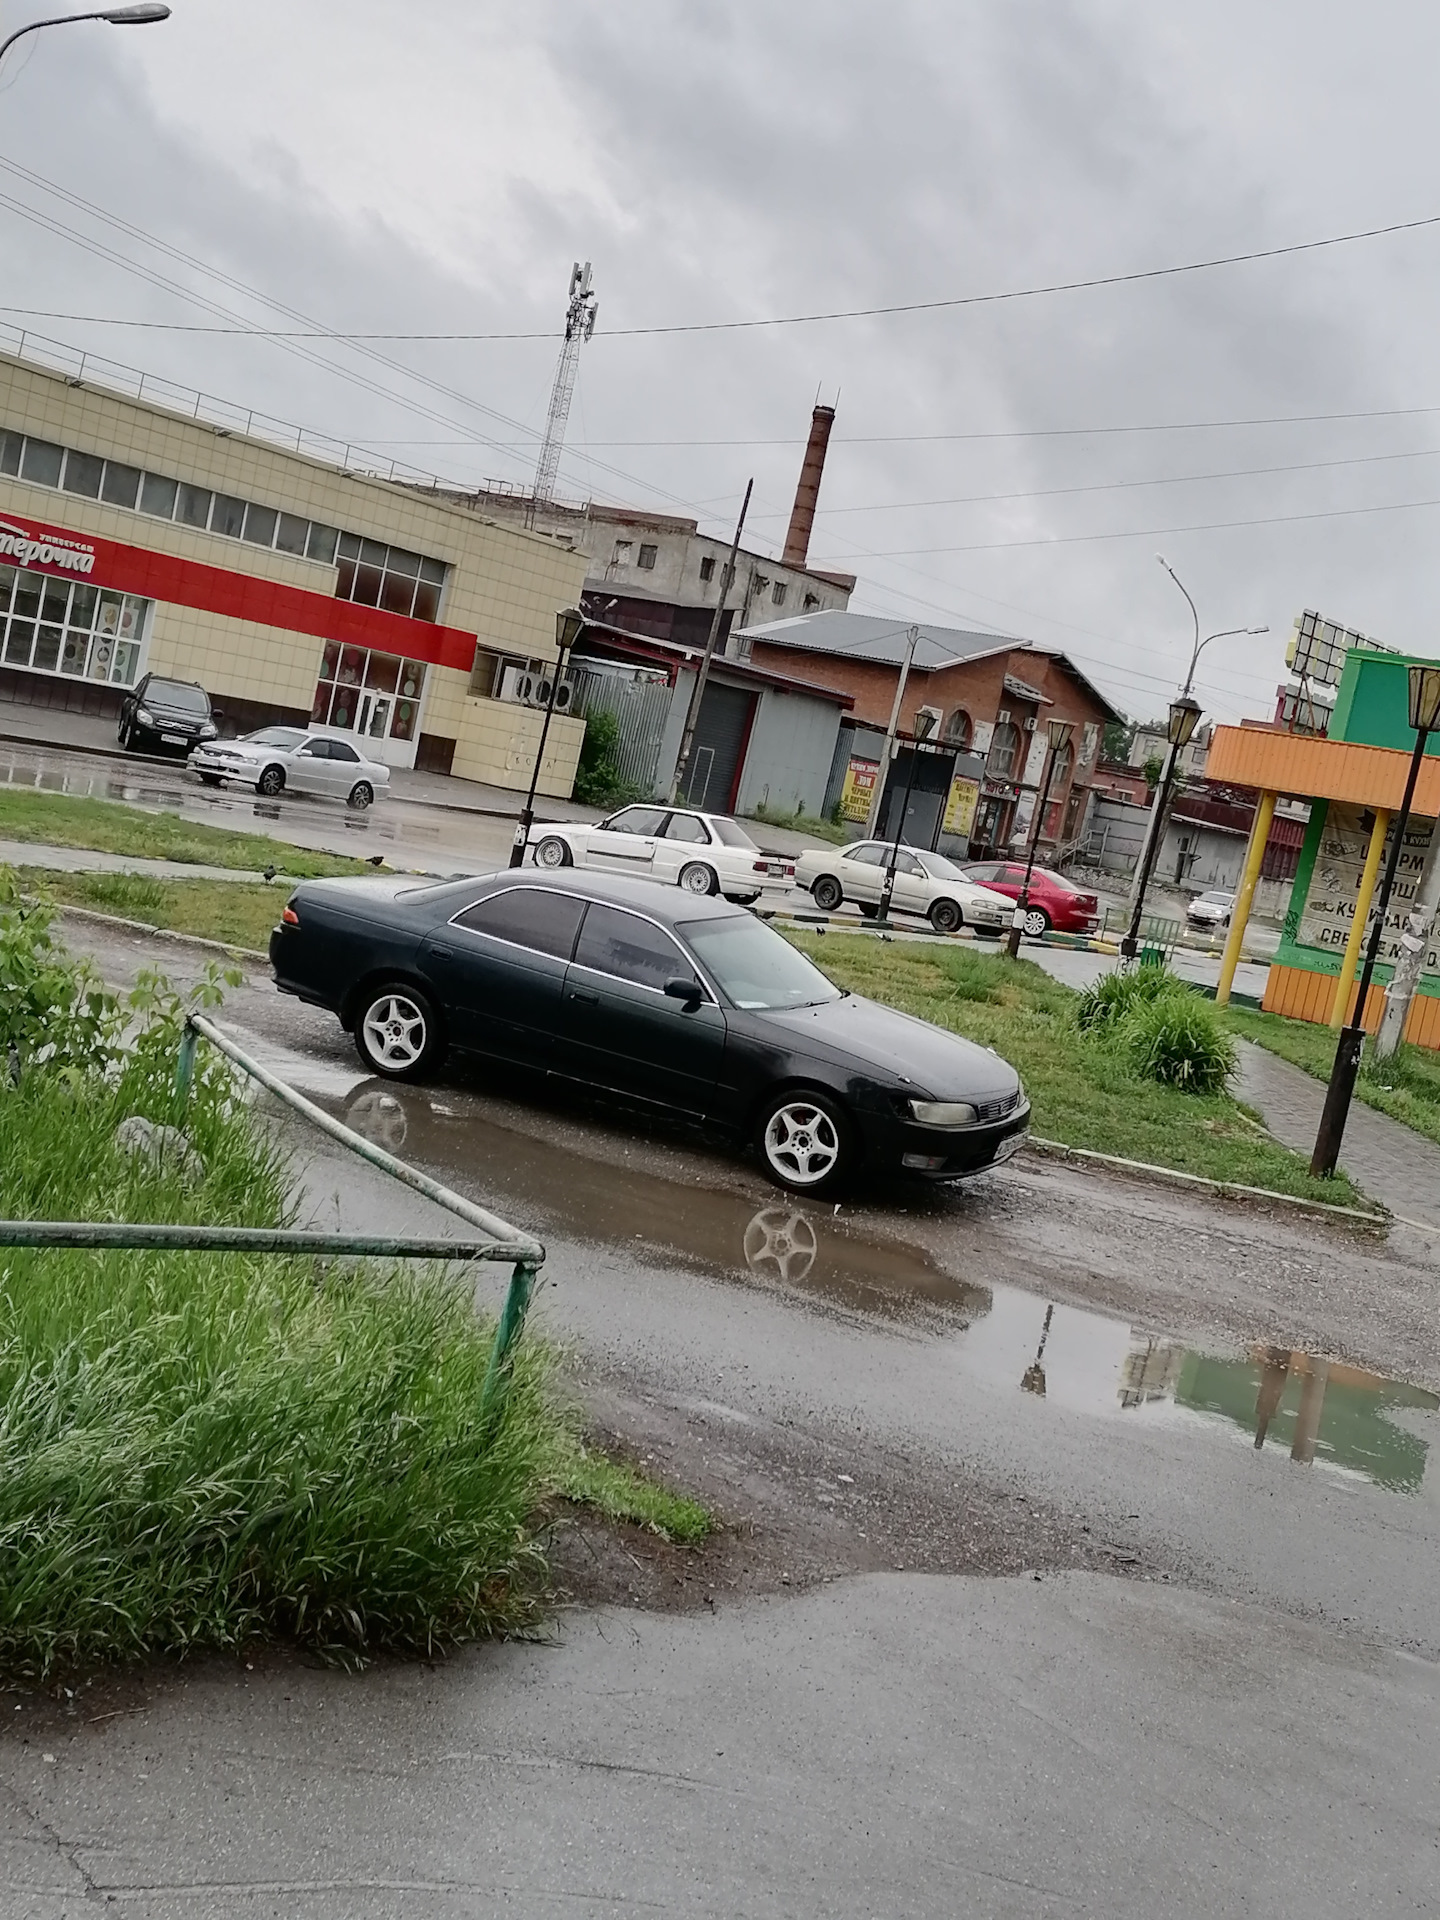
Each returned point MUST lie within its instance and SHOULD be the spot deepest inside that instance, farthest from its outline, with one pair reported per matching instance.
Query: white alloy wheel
(697, 878)
(801, 1142)
(552, 852)
(1037, 922)
(395, 1030)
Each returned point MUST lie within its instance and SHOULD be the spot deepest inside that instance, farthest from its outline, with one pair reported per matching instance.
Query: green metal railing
(499, 1241)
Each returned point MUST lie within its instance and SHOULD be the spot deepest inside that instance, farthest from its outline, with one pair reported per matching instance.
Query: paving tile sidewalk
(1394, 1164)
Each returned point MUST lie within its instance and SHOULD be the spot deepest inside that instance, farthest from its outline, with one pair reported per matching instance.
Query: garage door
(721, 735)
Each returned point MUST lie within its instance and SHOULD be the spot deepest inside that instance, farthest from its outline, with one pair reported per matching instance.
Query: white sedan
(925, 883)
(293, 760)
(702, 852)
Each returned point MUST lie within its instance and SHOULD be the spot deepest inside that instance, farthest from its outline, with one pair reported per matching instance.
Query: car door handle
(442, 953)
(589, 999)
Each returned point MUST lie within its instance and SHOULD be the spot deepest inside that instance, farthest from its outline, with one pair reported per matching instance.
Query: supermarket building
(135, 538)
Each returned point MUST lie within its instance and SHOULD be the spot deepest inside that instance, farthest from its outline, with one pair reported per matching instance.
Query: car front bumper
(207, 759)
(943, 1153)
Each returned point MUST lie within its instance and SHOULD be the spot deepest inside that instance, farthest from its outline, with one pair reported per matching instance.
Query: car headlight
(144, 716)
(943, 1113)
(209, 730)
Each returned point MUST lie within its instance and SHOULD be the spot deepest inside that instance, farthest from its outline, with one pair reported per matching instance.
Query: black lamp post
(1184, 717)
(923, 723)
(1059, 732)
(569, 625)
(1424, 718)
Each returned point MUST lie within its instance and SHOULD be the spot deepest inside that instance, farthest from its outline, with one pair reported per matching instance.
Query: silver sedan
(293, 760)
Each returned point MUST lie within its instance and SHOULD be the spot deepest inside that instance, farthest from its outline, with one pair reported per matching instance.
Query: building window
(83, 474)
(1004, 748)
(69, 628)
(647, 557)
(707, 567)
(391, 578)
(623, 551)
(376, 695)
(777, 593)
(812, 600)
(959, 728)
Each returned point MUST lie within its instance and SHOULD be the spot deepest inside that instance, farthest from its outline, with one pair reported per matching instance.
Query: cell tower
(579, 326)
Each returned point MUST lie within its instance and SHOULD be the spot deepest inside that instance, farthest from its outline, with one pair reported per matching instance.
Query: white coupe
(925, 883)
(293, 760)
(702, 852)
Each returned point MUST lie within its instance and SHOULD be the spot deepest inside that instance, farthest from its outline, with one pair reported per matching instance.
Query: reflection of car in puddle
(379, 1118)
(780, 1244)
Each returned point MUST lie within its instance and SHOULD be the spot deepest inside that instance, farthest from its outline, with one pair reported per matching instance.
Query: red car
(1054, 901)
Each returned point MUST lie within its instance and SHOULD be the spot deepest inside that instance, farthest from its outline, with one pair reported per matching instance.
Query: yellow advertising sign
(960, 806)
(858, 790)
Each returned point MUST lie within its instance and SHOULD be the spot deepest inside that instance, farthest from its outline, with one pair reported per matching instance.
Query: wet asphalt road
(1249, 1727)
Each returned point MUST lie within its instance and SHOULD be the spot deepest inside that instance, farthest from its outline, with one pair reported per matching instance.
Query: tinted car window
(180, 694)
(907, 863)
(868, 856)
(612, 941)
(342, 750)
(635, 820)
(989, 871)
(684, 826)
(315, 750)
(527, 917)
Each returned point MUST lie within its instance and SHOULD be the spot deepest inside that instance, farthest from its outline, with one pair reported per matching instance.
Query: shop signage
(858, 790)
(28, 549)
(1329, 910)
(960, 806)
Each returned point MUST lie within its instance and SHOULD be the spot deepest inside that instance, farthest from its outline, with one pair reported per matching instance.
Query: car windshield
(273, 737)
(729, 835)
(939, 868)
(1218, 899)
(754, 966)
(180, 694)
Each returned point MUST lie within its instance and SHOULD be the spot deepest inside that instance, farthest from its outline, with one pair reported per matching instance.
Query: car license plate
(173, 739)
(1008, 1148)
(778, 872)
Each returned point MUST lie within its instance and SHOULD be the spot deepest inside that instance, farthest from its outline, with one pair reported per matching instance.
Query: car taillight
(290, 918)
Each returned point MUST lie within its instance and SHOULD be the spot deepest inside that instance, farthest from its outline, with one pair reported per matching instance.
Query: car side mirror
(690, 991)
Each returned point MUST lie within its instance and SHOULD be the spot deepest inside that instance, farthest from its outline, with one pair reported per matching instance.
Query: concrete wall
(792, 744)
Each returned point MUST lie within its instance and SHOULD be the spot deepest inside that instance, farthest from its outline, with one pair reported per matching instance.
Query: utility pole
(697, 692)
(580, 315)
(882, 778)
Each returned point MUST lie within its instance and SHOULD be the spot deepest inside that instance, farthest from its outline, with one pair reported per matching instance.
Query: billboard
(1318, 647)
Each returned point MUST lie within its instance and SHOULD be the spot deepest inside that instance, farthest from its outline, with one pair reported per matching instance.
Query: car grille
(996, 1109)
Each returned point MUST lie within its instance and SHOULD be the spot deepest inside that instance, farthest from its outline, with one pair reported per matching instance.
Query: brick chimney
(802, 515)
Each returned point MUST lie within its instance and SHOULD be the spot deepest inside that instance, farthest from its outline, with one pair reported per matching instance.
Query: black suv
(166, 716)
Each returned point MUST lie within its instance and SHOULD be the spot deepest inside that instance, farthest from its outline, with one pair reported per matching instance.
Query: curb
(163, 933)
(1224, 1189)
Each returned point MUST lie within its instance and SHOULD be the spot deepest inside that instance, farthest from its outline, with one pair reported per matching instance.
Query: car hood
(242, 750)
(899, 1047)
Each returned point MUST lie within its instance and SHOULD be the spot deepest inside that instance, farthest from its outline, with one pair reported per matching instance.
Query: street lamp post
(1184, 713)
(1059, 732)
(1424, 718)
(569, 625)
(923, 723)
(141, 16)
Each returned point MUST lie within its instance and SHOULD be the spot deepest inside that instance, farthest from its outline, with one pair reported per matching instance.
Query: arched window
(958, 728)
(1004, 747)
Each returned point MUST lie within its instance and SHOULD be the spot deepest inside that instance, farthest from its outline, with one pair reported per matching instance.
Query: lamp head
(1425, 698)
(1184, 718)
(924, 724)
(142, 16)
(1059, 732)
(569, 625)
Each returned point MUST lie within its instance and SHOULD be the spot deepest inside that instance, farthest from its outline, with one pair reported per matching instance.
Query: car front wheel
(698, 878)
(210, 779)
(552, 852)
(397, 1032)
(362, 795)
(271, 782)
(945, 916)
(827, 893)
(806, 1142)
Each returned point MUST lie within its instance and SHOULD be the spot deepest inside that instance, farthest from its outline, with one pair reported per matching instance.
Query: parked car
(701, 852)
(294, 759)
(1055, 900)
(925, 883)
(688, 1005)
(165, 716)
(1207, 911)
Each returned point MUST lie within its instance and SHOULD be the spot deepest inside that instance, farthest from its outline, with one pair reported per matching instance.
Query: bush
(1108, 1000)
(598, 780)
(1177, 1039)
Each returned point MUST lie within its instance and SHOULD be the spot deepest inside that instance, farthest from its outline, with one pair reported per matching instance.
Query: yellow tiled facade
(504, 586)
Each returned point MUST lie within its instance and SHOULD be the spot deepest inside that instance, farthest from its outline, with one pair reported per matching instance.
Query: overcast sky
(438, 167)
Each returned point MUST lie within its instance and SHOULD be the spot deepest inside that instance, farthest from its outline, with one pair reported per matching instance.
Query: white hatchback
(925, 883)
(702, 852)
(293, 760)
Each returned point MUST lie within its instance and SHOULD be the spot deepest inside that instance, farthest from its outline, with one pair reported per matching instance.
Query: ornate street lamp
(924, 722)
(1059, 732)
(1184, 717)
(1424, 718)
(569, 625)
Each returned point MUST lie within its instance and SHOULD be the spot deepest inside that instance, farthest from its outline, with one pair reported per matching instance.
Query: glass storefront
(67, 627)
(373, 694)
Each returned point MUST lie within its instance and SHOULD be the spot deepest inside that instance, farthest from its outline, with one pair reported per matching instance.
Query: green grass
(1407, 1087)
(1083, 1092)
(107, 826)
(239, 913)
(618, 1491)
(811, 823)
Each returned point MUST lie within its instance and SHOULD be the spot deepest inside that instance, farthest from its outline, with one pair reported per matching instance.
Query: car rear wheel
(868, 909)
(397, 1032)
(806, 1142)
(945, 916)
(1037, 922)
(362, 795)
(552, 852)
(827, 893)
(210, 779)
(698, 878)
(271, 782)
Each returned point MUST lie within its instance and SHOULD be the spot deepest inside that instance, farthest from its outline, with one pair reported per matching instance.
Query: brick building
(977, 781)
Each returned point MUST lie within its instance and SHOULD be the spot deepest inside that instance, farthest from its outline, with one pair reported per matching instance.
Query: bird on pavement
(270, 873)
(376, 859)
